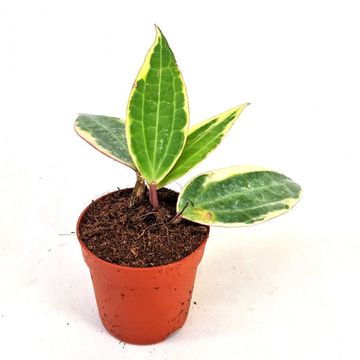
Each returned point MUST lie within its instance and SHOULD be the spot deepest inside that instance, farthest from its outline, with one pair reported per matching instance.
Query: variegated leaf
(106, 134)
(237, 196)
(157, 114)
(202, 139)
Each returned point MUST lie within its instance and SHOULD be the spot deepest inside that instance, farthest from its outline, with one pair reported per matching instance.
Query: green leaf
(106, 134)
(157, 114)
(202, 139)
(237, 196)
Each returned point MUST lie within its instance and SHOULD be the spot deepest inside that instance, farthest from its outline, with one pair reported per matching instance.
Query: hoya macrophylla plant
(156, 142)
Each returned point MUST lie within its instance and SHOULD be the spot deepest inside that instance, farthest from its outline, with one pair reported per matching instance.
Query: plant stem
(177, 218)
(139, 189)
(153, 196)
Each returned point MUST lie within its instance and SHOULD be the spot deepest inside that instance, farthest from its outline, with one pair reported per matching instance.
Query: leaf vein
(241, 193)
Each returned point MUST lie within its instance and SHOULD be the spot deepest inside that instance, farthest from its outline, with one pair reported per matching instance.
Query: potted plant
(143, 245)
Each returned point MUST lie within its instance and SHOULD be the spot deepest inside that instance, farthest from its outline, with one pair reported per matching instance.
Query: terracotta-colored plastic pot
(142, 305)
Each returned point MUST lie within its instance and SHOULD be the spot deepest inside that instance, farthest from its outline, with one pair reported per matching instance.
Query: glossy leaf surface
(157, 114)
(106, 134)
(237, 196)
(202, 139)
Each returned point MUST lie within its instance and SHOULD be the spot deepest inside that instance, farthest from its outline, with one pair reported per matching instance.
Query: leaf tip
(240, 108)
(244, 105)
(158, 31)
(77, 121)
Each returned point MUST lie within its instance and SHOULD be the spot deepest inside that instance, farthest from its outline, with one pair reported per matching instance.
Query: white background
(287, 289)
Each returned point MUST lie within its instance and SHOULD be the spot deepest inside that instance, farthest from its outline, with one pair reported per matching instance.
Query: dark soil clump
(138, 236)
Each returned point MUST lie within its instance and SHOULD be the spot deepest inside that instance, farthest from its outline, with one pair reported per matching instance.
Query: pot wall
(143, 306)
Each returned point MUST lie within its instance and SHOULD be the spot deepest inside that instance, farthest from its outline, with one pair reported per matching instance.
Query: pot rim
(133, 268)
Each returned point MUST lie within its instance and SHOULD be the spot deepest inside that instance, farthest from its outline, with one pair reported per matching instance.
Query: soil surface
(138, 236)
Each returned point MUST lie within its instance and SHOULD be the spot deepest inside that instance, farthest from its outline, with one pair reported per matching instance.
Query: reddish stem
(153, 196)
